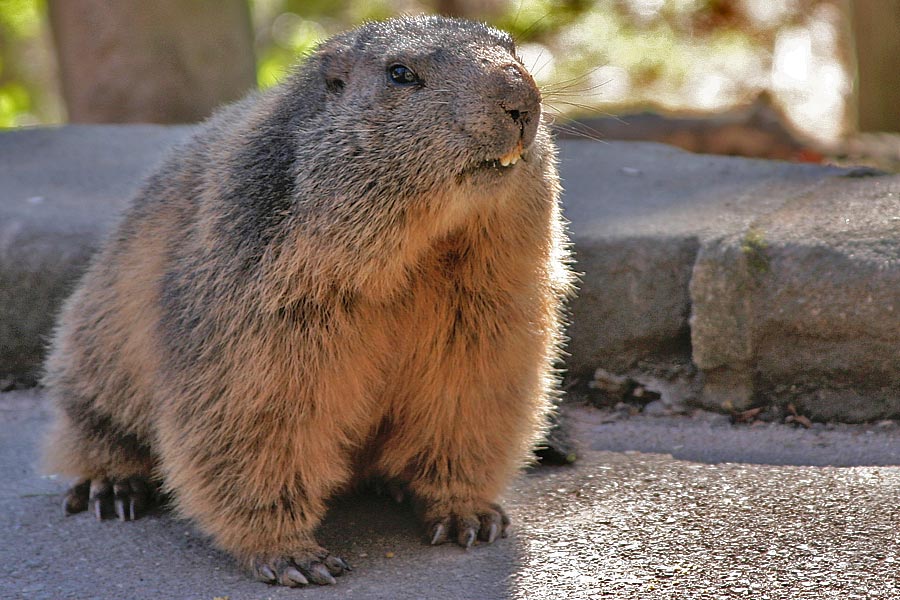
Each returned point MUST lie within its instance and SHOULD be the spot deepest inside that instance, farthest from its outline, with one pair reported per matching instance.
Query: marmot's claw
(120, 494)
(438, 534)
(293, 576)
(265, 573)
(100, 497)
(140, 499)
(467, 528)
(120, 510)
(319, 574)
(336, 565)
(490, 534)
(320, 568)
(467, 538)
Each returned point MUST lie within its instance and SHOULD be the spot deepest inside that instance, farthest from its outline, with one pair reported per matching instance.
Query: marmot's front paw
(299, 568)
(129, 498)
(485, 522)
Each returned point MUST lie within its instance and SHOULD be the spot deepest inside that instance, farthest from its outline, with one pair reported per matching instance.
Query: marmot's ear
(334, 65)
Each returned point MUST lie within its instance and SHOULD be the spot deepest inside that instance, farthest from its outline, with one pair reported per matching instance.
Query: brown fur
(327, 284)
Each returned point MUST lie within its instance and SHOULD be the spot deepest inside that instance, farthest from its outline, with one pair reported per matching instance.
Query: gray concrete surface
(781, 282)
(656, 508)
(60, 192)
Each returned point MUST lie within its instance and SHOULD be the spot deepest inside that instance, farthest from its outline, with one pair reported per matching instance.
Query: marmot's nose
(520, 99)
(519, 116)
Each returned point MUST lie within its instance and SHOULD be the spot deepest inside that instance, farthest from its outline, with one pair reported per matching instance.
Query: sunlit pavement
(673, 507)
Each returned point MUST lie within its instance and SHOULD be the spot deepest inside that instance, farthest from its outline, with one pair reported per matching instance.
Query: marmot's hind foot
(300, 569)
(127, 498)
(484, 523)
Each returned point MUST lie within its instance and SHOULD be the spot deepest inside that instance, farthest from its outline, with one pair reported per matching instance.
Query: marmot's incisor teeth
(513, 156)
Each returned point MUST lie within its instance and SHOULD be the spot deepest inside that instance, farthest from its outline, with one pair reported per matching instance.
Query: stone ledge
(780, 281)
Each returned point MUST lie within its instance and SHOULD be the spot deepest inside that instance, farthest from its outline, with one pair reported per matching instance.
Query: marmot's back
(357, 274)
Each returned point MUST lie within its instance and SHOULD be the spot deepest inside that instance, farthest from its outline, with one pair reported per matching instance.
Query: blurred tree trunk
(876, 33)
(158, 61)
(470, 9)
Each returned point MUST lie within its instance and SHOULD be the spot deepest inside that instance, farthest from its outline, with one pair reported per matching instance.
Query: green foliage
(291, 29)
(20, 22)
(536, 19)
(21, 18)
(274, 61)
(14, 101)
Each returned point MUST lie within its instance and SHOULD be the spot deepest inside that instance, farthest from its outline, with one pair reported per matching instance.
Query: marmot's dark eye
(402, 75)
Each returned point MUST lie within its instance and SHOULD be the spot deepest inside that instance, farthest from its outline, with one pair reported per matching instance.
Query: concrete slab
(657, 508)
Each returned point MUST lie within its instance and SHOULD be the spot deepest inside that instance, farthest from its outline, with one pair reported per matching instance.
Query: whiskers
(574, 86)
(571, 128)
(560, 95)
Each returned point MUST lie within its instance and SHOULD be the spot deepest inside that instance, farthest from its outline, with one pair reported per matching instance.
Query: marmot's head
(426, 101)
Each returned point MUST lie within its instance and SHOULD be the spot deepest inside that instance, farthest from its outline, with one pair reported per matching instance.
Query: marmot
(357, 274)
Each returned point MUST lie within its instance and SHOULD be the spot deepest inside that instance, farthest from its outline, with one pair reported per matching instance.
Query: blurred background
(804, 80)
